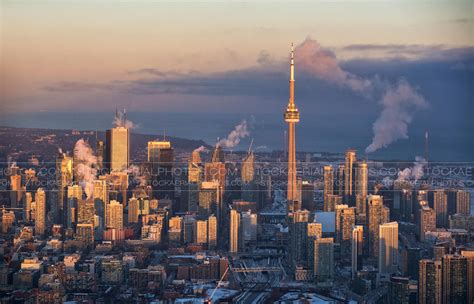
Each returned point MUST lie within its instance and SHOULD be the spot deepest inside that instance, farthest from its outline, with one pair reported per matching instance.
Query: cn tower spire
(292, 64)
(292, 116)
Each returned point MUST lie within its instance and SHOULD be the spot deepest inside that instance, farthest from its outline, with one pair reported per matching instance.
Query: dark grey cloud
(411, 51)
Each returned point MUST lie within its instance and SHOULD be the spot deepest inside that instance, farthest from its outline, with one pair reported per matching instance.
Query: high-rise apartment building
(357, 242)
(114, 215)
(40, 213)
(328, 175)
(388, 249)
(323, 261)
(455, 279)
(430, 282)
(361, 186)
(200, 232)
(64, 176)
(234, 231)
(377, 214)
(440, 206)
(427, 221)
(345, 221)
(349, 174)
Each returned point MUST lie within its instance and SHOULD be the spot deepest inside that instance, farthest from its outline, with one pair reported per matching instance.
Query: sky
(395, 65)
(107, 43)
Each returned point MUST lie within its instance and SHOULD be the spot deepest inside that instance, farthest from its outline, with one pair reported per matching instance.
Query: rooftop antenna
(250, 147)
(124, 116)
(164, 134)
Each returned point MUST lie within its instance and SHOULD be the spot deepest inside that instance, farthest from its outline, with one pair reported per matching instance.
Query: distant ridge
(35, 141)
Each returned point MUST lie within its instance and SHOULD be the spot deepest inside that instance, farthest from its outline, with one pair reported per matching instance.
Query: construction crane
(4, 209)
(209, 299)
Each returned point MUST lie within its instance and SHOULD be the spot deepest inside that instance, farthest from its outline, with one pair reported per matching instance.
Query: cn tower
(292, 116)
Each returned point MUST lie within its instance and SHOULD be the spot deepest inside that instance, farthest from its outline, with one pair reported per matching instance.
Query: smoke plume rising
(120, 120)
(85, 166)
(399, 101)
(233, 139)
(201, 149)
(414, 173)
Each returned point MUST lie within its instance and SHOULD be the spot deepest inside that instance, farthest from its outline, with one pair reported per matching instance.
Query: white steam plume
(233, 139)
(201, 149)
(399, 101)
(120, 120)
(85, 166)
(414, 173)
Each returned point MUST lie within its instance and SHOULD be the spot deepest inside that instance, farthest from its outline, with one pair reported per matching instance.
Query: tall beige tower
(234, 231)
(40, 215)
(118, 148)
(388, 249)
(292, 116)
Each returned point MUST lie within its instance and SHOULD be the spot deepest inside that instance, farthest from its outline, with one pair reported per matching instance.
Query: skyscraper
(292, 116)
(234, 231)
(469, 254)
(85, 211)
(175, 230)
(64, 176)
(161, 158)
(16, 189)
(200, 232)
(212, 232)
(218, 155)
(247, 171)
(349, 175)
(361, 186)
(357, 249)
(399, 290)
(118, 148)
(133, 210)
(323, 261)
(249, 226)
(100, 151)
(209, 198)
(455, 279)
(388, 249)
(40, 214)
(339, 187)
(298, 234)
(463, 202)
(114, 215)
(430, 282)
(328, 175)
(74, 194)
(427, 221)
(85, 234)
(194, 168)
(440, 205)
(378, 214)
(345, 220)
